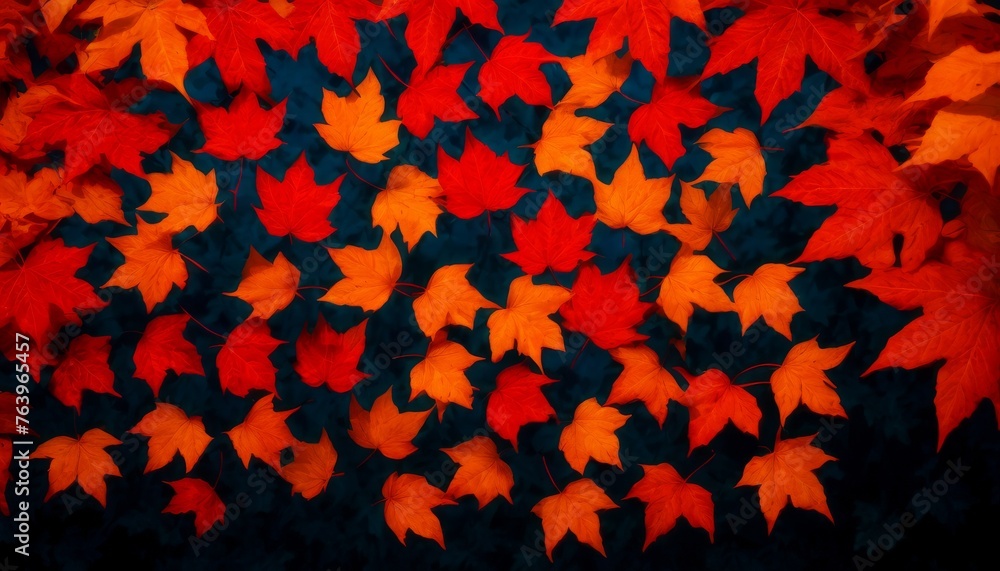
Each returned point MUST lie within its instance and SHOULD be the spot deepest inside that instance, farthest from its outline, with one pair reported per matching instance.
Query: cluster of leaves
(915, 124)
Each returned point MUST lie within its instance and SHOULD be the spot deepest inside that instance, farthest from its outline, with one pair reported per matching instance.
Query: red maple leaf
(780, 34)
(295, 205)
(714, 401)
(42, 294)
(84, 367)
(162, 348)
(552, 240)
(244, 130)
(606, 308)
(244, 362)
(513, 69)
(331, 358)
(194, 495)
(433, 94)
(331, 24)
(516, 401)
(237, 25)
(90, 123)
(479, 181)
(674, 103)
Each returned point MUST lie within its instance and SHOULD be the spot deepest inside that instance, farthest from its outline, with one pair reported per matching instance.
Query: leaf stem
(551, 479)
(700, 467)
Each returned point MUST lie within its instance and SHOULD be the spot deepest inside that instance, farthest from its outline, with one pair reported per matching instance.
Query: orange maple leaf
(631, 200)
(263, 433)
(171, 432)
(689, 283)
(152, 264)
(574, 509)
(713, 402)
(353, 124)
(737, 159)
(313, 466)
(591, 434)
(369, 275)
(411, 201)
(801, 379)
(525, 321)
(767, 294)
(644, 379)
(441, 375)
(408, 503)
(186, 195)
(481, 472)
(267, 286)
(449, 299)
(384, 428)
(83, 461)
(706, 217)
(669, 497)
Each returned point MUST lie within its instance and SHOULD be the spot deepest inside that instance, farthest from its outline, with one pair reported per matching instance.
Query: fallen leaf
(591, 435)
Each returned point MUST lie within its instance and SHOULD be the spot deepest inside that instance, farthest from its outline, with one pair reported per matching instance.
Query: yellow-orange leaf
(83, 461)
(384, 428)
(706, 217)
(574, 509)
(767, 294)
(95, 197)
(151, 263)
(785, 476)
(441, 375)
(591, 434)
(185, 194)
(481, 472)
(688, 284)
(263, 433)
(449, 300)
(978, 121)
(801, 379)
(408, 503)
(369, 275)
(354, 123)
(525, 321)
(594, 80)
(170, 432)
(564, 134)
(737, 159)
(632, 200)
(311, 470)
(645, 380)
(409, 202)
(267, 286)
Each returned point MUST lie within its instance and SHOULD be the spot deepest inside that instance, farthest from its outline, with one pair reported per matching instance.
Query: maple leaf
(354, 125)
(643, 379)
(874, 205)
(384, 428)
(236, 26)
(331, 358)
(481, 472)
(801, 379)
(186, 195)
(244, 361)
(152, 264)
(855, 113)
(591, 435)
(429, 21)
(43, 293)
(962, 75)
(243, 130)
(785, 475)
(19, 112)
(969, 130)
(196, 496)
(331, 24)
(409, 500)
(552, 240)
(263, 433)
(780, 34)
(479, 181)
(736, 158)
(668, 497)
(606, 308)
(707, 217)
(295, 205)
(267, 286)
(92, 123)
(449, 299)
(28, 206)
(960, 323)
(689, 283)
(560, 148)
(631, 200)
(84, 367)
(767, 294)
(433, 94)
(657, 123)
(441, 375)
(153, 24)
(574, 509)
(410, 202)
(369, 275)
(172, 432)
(82, 460)
(646, 23)
(517, 401)
(313, 466)
(525, 321)
(95, 197)
(594, 79)
(513, 69)
(714, 401)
